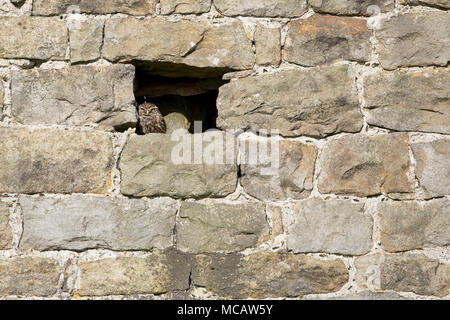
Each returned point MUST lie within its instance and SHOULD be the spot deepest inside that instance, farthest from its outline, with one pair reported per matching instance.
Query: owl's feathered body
(150, 119)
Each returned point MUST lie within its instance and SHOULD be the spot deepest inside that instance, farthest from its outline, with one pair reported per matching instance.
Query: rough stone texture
(352, 7)
(368, 295)
(445, 4)
(317, 102)
(37, 38)
(148, 167)
(156, 274)
(333, 226)
(29, 276)
(403, 272)
(268, 44)
(268, 275)
(220, 227)
(414, 225)
(365, 166)
(193, 45)
(86, 38)
(324, 39)
(262, 8)
(433, 167)
(185, 6)
(413, 39)
(54, 161)
(2, 95)
(409, 101)
(5, 228)
(79, 95)
(86, 222)
(56, 7)
(292, 180)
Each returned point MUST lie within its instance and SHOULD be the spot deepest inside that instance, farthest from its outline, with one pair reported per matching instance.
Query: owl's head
(147, 109)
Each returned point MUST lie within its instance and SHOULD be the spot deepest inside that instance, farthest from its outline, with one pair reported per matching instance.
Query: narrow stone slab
(332, 226)
(37, 38)
(185, 6)
(444, 4)
(433, 167)
(156, 274)
(6, 236)
(262, 8)
(324, 39)
(78, 95)
(154, 165)
(54, 161)
(268, 275)
(220, 227)
(83, 222)
(409, 101)
(413, 39)
(353, 7)
(414, 225)
(403, 272)
(317, 102)
(363, 166)
(29, 276)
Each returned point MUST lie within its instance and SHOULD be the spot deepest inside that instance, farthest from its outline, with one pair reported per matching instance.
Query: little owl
(150, 119)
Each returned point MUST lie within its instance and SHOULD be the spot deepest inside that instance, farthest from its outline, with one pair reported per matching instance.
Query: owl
(150, 119)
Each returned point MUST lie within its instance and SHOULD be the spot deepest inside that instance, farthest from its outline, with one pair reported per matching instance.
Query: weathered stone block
(433, 167)
(409, 101)
(86, 222)
(185, 6)
(5, 229)
(2, 96)
(364, 166)
(220, 227)
(36, 38)
(324, 39)
(193, 44)
(317, 102)
(56, 7)
(333, 226)
(156, 274)
(86, 38)
(269, 275)
(403, 272)
(262, 8)
(268, 45)
(78, 95)
(292, 180)
(29, 276)
(444, 4)
(154, 165)
(413, 39)
(54, 161)
(414, 225)
(352, 7)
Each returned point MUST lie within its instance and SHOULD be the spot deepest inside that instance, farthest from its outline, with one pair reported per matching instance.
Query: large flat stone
(262, 8)
(198, 48)
(268, 275)
(365, 166)
(433, 167)
(414, 225)
(150, 167)
(78, 95)
(292, 180)
(156, 274)
(220, 227)
(413, 39)
(444, 4)
(86, 39)
(29, 276)
(5, 228)
(324, 39)
(56, 7)
(316, 102)
(54, 161)
(332, 226)
(83, 222)
(352, 7)
(403, 272)
(36, 38)
(409, 101)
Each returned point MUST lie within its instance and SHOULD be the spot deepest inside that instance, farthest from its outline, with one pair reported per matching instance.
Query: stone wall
(359, 208)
